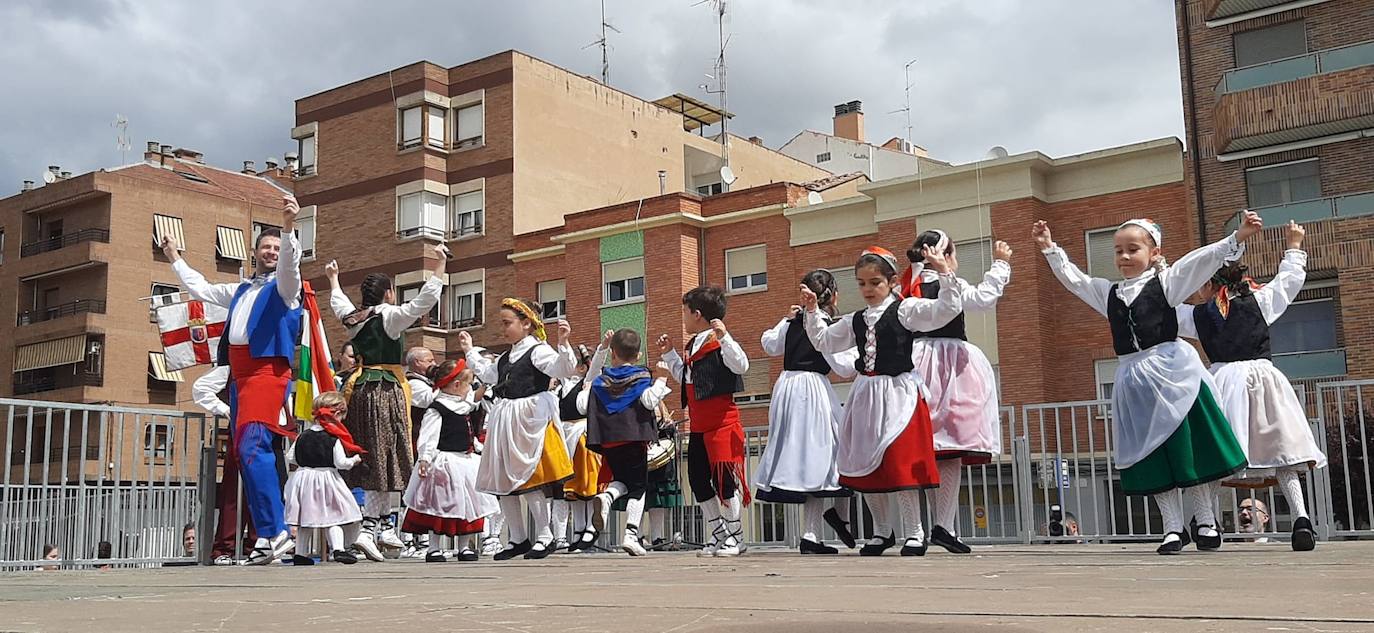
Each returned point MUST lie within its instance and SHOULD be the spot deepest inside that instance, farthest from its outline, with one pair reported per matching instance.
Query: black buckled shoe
(468, 555)
(914, 550)
(1168, 548)
(1208, 543)
(841, 527)
(811, 547)
(436, 557)
(302, 561)
(1304, 537)
(345, 557)
(540, 550)
(877, 549)
(513, 550)
(940, 536)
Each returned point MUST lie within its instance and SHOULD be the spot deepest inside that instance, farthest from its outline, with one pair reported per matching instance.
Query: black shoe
(514, 549)
(1208, 543)
(542, 550)
(914, 550)
(841, 527)
(940, 536)
(302, 561)
(1304, 538)
(658, 544)
(1173, 547)
(877, 549)
(468, 555)
(346, 558)
(436, 557)
(812, 547)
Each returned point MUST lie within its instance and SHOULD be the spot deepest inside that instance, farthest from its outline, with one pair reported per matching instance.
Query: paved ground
(1004, 588)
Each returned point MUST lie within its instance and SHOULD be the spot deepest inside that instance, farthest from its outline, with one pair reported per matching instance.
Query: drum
(661, 453)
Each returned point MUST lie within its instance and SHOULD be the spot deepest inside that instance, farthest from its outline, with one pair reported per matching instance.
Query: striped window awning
(167, 226)
(229, 244)
(157, 368)
(63, 351)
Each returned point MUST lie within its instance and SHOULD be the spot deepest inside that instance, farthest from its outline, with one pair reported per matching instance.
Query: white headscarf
(1149, 226)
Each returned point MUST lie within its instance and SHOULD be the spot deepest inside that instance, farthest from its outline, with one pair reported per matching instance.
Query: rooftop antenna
(604, 44)
(907, 108)
(722, 17)
(122, 143)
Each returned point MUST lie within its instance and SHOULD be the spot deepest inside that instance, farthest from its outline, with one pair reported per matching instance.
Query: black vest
(315, 449)
(710, 376)
(1147, 322)
(417, 414)
(567, 405)
(456, 432)
(520, 379)
(953, 329)
(894, 343)
(798, 354)
(634, 423)
(1242, 335)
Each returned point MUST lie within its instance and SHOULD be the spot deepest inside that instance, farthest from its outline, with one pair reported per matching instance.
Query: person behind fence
(572, 423)
(316, 496)
(958, 377)
(442, 498)
(620, 425)
(1259, 402)
(711, 375)
(262, 332)
(378, 393)
(886, 446)
(1170, 433)
(419, 360)
(798, 463)
(524, 456)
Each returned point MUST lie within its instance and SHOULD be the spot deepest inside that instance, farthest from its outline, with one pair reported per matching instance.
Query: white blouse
(1273, 298)
(918, 314)
(1180, 280)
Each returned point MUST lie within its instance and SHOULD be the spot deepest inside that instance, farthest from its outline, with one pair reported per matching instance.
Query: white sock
(335, 536)
(376, 504)
(710, 514)
(1291, 487)
(909, 502)
(812, 509)
(578, 510)
(305, 541)
(730, 513)
(634, 513)
(495, 523)
(947, 495)
(560, 510)
(657, 521)
(878, 506)
(1170, 504)
(841, 505)
(1204, 498)
(539, 513)
(616, 490)
(436, 543)
(515, 519)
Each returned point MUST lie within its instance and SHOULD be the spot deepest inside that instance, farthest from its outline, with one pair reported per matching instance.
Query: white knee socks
(909, 504)
(539, 514)
(878, 506)
(1171, 510)
(947, 495)
(812, 509)
(514, 519)
(658, 519)
(560, 510)
(1204, 499)
(1291, 487)
(305, 542)
(376, 504)
(634, 512)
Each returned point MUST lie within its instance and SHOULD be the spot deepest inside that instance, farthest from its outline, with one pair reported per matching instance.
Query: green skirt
(1203, 449)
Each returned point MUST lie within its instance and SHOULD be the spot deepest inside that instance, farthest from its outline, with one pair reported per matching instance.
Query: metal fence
(103, 485)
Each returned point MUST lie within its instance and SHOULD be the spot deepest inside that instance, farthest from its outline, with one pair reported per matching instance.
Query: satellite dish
(814, 197)
(49, 177)
(997, 152)
(727, 175)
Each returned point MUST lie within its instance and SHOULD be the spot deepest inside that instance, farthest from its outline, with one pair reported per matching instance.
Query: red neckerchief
(709, 346)
(325, 418)
(907, 287)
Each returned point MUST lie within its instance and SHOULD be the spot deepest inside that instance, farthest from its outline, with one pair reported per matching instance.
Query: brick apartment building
(484, 152)
(1279, 105)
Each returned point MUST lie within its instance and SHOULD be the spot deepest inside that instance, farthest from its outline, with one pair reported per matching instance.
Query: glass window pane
(410, 126)
(436, 206)
(436, 118)
(615, 291)
(409, 212)
(1305, 327)
(307, 152)
(759, 279)
(637, 287)
(469, 123)
(1268, 44)
(1284, 183)
(1102, 254)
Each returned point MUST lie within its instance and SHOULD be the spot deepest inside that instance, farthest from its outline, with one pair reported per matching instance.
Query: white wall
(848, 156)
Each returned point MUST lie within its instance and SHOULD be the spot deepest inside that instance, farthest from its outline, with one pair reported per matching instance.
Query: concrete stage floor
(1245, 587)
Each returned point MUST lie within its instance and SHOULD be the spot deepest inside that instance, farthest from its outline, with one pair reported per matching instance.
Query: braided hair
(821, 282)
(375, 286)
(1235, 278)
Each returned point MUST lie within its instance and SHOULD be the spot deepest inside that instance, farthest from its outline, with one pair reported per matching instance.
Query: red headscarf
(331, 424)
(452, 376)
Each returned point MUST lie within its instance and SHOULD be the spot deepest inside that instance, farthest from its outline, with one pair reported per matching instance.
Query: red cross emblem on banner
(197, 332)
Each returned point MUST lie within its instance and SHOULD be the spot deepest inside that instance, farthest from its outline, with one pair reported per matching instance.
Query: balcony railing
(1290, 68)
(1346, 206)
(94, 306)
(50, 383)
(1317, 364)
(63, 241)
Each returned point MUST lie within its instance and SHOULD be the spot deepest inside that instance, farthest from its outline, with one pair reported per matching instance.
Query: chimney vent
(152, 147)
(65, 175)
(28, 186)
(271, 163)
(249, 167)
(166, 150)
(849, 121)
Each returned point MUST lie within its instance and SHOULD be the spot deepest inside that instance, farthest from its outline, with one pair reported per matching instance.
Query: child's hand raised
(1001, 250)
(1041, 232)
(606, 339)
(936, 260)
(564, 331)
(464, 343)
(1250, 226)
(718, 326)
(808, 299)
(665, 344)
(1296, 233)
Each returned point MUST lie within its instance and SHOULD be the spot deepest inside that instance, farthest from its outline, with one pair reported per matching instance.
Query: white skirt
(879, 409)
(318, 497)
(963, 395)
(803, 418)
(1266, 416)
(515, 441)
(1153, 391)
(450, 490)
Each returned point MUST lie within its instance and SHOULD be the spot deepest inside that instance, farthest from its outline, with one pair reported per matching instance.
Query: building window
(823, 157)
(1303, 340)
(95, 358)
(305, 232)
(623, 280)
(712, 189)
(470, 126)
(1102, 253)
(163, 226)
(432, 318)
(157, 436)
(411, 127)
(553, 298)
(421, 213)
(306, 152)
(849, 298)
(162, 295)
(746, 268)
(1104, 376)
(975, 260)
(1271, 43)
(436, 122)
(1280, 184)
(465, 305)
(229, 244)
(757, 386)
(468, 215)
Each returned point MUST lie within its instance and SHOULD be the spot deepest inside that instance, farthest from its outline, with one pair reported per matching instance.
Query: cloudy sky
(1060, 76)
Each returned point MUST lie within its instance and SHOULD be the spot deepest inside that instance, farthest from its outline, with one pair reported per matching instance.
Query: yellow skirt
(555, 467)
(585, 482)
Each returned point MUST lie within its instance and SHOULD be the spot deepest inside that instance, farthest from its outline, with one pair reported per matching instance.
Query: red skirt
(907, 464)
(261, 386)
(417, 522)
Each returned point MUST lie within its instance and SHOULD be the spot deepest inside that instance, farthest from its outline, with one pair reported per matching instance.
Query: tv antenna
(604, 43)
(722, 19)
(907, 108)
(122, 144)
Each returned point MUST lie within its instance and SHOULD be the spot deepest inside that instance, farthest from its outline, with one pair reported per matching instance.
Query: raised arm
(396, 319)
(1279, 293)
(200, 289)
(829, 338)
(984, 296)
(733, 355)
(655, 393)
(669, 357)
(1185, 276)
(923, 315)
(482, 368)
(560, 362)
(338, 301)
(1092, 290)
(289, 259)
